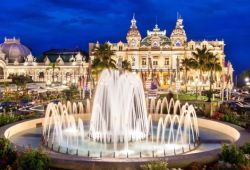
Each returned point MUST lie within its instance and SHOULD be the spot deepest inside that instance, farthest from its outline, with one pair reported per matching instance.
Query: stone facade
(67, 72)
(160, 56)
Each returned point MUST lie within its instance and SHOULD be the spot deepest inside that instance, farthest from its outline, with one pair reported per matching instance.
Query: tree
(187, 64)
(212, 65)
(245, 74)
(126, 66)
(199, 57)
(103, 59)
(69, 94)
(53, 66)
(20, 80)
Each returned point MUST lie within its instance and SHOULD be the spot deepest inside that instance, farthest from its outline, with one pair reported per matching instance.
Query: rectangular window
(166, 62)
(144, 61)
(155, 62)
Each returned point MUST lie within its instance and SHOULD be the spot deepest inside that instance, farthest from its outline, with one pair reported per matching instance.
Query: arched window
(41, 75)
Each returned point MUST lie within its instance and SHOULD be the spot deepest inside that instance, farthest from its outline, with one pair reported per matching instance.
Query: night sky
(45, 24)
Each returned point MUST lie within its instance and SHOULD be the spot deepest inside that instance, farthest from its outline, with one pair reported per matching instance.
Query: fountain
(121, 123)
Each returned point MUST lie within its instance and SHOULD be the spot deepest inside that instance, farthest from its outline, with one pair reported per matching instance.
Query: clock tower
(178, 36)
(133, 35)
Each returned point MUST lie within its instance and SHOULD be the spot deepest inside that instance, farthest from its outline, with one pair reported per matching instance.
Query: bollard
(88, 153)
(67, 151)
(47, 143)
(174, 152)
(52, 146)
(164, 152)
(58, 148)
(140, 154)
(100, 154)
(153, 154)
(189, 146)
(114, 155)
(182, 149)
(77, 152)
(127, 154)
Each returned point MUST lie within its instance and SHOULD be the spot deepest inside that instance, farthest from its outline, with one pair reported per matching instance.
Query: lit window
(166, 62)
(144, 61)
(155, 62)
(178, 43)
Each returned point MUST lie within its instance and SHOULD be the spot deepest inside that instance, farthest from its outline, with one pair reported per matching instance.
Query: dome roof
(156, 34)
(164, 40)
(14, 50)
(179, 29)
(178, 32)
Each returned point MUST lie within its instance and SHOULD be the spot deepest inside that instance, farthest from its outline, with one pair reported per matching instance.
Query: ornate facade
(160, 56)
(16, 58)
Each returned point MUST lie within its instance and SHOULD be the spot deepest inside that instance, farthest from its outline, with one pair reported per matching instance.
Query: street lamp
(196, 87)
(247, 81)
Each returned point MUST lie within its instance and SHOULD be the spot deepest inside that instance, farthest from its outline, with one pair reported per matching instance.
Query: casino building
(159, 56)
(16, 58)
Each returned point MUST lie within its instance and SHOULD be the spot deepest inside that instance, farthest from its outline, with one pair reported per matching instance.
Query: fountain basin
(207, 151)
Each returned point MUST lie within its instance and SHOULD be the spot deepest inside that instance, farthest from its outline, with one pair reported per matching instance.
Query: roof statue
(2, 55)
(46, 60)
(79, 57)
(59, 60)
(30, 58)
(16, 62)
(72, 59)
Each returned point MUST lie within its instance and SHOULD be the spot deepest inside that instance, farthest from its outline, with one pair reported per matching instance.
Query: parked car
(247, 100)
(7, 106)
(55, 101)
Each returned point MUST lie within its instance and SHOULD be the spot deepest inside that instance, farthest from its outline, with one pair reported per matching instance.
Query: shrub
(155, 165)
(233, 155)
(33, 159)
(9, 118)
(196, 166)
(7, 155)
(245, 148)
(218, 116)
(231, 118)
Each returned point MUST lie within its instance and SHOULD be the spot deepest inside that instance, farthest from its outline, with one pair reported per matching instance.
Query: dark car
(246, 99)
(55, 101)
(7, 106)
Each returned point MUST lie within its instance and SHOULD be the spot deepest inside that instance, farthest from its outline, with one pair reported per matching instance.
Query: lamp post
(196, 88)
(247, 81)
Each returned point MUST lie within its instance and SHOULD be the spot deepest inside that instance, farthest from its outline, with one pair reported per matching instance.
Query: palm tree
(126, 66)
(212, 65)
(187, 64)
(53, 66)
(103, 59)
(200, 59)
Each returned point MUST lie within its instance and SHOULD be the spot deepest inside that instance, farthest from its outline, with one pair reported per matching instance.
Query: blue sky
(45, 24)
